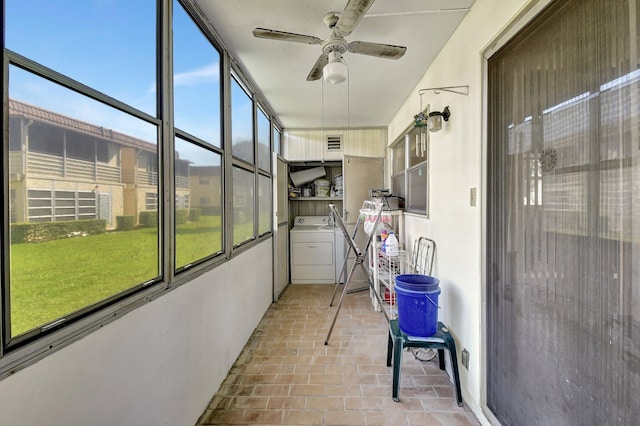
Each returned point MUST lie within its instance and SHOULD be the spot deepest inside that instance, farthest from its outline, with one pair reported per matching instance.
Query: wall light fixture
(433, 120)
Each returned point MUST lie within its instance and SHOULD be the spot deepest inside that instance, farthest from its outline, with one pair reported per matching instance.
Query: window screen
(243, 205)
(264, 141)
(82, 206)
(241, 123)
(196, 80)
(197, 223)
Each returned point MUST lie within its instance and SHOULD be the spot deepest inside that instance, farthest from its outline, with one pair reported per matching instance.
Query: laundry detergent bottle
(391, 245)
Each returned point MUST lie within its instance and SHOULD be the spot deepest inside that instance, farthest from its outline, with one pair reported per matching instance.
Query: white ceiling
(376, 87)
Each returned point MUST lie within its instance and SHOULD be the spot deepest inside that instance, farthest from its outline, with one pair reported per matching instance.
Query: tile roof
(18, 108)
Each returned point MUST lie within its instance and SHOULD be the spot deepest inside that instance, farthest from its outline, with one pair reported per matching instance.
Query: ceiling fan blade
(351, 16)
(284, 36)
(386, 51)
(316, 71)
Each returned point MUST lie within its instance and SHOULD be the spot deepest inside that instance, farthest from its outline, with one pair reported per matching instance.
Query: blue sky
(109, 45)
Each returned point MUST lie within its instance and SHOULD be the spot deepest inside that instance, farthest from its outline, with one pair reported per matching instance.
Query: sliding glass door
(563, 265)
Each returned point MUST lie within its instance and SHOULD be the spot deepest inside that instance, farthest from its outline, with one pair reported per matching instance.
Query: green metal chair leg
(397, 363)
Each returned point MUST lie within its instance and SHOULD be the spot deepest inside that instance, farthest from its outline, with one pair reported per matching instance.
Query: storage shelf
(383, 270)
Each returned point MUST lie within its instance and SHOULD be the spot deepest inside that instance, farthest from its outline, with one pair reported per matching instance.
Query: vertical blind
(563, 237)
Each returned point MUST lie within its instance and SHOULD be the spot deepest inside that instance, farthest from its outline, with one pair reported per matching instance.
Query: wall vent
(334, 143)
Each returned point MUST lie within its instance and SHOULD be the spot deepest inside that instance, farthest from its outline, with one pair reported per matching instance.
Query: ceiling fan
(330, 63)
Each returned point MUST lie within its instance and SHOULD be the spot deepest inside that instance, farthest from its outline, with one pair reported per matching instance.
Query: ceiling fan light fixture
(335, 72)
(330, 64)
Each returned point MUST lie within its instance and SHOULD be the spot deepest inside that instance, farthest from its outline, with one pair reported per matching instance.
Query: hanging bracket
(460, 90)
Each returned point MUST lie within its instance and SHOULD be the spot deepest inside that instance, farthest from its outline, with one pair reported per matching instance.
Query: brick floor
(287, 375)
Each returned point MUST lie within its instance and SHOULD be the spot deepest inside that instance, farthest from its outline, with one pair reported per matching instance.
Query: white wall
(456, 162)
(310, 144)
(158, 365)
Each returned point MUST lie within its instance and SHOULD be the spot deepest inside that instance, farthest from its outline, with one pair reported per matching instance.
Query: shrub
(19, 232)
(194, 214)
(210, 210)
(149, 219)
(48, 231)
(125, 223)
(94, 226)
(181, 216)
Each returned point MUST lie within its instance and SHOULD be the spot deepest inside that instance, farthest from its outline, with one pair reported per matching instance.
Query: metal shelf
(383, 270)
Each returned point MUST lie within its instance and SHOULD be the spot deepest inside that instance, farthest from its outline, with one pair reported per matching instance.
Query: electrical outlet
(465, 358)
(473, 197)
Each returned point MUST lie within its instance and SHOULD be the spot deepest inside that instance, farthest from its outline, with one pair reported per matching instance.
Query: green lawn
(196, 240)
(52, 279)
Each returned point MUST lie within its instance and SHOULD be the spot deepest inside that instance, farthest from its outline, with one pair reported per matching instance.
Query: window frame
(403, 175)
(260, 110)
(15, 355)
(235, 78)
(236, 162)
(11, 343)
(270, 203)
(217, 151)
(219, 257)
(276, 148)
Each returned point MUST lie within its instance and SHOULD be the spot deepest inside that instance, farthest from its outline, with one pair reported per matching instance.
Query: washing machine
(313, 250)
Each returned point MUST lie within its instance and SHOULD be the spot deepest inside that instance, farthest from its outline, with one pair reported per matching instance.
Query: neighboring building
(203, 181)
(65, 169)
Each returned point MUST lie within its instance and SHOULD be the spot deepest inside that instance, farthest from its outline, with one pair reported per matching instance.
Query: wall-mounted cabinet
(329, 145)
